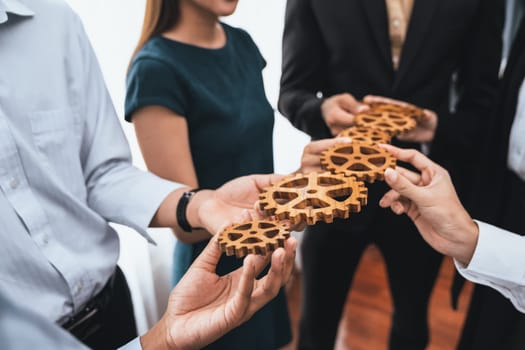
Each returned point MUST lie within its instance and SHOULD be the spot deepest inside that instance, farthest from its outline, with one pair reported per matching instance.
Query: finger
(412, 176)
(265, 180)
(342, 119)
(210, 256)
(243, 295)
(389, 198)
(417, 159)
(400, 206)
(260, 262)
(267, 287)
(402, 185)
(317, 147)
(290, 247)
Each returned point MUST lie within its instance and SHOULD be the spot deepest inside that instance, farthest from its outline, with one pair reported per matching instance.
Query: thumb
(402, 185)
(210, 256)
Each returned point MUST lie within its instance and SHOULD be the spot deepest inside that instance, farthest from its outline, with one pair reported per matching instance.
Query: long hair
(160, 15)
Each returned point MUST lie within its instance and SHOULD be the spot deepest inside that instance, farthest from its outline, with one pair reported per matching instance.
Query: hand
(311, 159)
(430, 200)
(339, 112)
(233, 202)
(425, 128)
(204, 306)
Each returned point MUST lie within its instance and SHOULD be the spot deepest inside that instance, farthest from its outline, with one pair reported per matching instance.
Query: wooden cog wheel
(313, 197)
(366, 135)
(253, 237)
(363, 161)
(408, 109)
(392, 123)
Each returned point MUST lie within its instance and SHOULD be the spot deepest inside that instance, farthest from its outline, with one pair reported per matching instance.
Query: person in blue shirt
(66, 174)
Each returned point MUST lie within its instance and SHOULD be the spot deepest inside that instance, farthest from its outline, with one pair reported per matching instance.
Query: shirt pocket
(57, 136)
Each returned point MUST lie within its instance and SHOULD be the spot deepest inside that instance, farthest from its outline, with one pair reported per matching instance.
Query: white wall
(113, 27)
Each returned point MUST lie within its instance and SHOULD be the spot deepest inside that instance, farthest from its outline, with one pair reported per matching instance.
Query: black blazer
(336, 46)
(492, 181)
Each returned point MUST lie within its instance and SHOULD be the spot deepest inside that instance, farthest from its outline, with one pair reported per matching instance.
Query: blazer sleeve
(478, 82)
(302, 70)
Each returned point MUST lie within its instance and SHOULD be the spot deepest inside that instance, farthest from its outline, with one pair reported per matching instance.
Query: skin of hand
(204, 306)
(339, 112)
(235, 201)
(212, 210)
(311, 158)
(430, 200)
(425, 128)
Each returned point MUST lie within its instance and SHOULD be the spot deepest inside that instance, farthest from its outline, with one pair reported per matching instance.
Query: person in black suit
(492, 322)
(334, 54)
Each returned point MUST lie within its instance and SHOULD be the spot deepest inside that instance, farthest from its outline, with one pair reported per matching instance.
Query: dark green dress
(221, 94)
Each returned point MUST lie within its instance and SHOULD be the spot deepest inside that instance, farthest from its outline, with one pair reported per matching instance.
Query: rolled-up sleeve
(498, 262)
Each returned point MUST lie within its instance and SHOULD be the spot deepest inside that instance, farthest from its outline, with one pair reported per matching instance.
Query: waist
(93, 307)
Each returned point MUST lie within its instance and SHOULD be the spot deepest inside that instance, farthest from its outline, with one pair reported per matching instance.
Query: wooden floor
(366, 319)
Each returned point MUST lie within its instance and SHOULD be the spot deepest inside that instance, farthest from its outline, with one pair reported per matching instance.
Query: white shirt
(516, 156)
(498, 262)
(65, 164)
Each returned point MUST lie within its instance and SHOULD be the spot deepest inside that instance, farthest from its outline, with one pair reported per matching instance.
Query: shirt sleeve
(116, 190)
(152, 82)
(498, 262)
(132, 345)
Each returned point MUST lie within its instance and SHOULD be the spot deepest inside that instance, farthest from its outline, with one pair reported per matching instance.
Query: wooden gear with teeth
(253, 237)
(365, 135)
(407, 109)
(390, 122)
(363, 161)
(313, 197)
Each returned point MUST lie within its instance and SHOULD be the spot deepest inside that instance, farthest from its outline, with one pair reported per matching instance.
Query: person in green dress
(196, 97)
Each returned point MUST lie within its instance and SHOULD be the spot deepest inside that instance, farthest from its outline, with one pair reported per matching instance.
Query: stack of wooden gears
(336, 193)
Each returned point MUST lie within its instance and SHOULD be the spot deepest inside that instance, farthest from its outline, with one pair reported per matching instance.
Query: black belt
(89, 320)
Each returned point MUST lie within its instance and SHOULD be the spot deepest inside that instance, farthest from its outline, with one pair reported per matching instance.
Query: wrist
(469, 244)
(182, 210)
(157, 338)
(193, 216)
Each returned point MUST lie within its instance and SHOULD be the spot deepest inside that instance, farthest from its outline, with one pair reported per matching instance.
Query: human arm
(214, 209)
(302, 75)
(484, 254)
(204, 306)
(162, 136)
(338, 112)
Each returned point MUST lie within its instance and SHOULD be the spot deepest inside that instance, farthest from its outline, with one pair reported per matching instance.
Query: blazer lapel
(378, 19)
(420, 22)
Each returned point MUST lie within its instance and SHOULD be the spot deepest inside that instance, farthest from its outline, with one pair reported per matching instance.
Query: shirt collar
(15, 7)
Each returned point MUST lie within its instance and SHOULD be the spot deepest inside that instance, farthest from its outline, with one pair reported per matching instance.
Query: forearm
(166, 215)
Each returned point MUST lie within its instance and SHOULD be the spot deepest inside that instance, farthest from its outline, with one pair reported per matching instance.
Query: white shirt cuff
(499, 256)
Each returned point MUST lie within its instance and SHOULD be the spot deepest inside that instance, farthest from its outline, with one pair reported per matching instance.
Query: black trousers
(335, 250)
(492, 321)
(113, 323)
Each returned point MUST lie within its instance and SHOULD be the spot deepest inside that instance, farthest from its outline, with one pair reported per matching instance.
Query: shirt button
(45, 239)
(396, 23)
(14, 183)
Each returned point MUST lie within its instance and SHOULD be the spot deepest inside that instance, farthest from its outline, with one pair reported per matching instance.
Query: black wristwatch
(181, 210)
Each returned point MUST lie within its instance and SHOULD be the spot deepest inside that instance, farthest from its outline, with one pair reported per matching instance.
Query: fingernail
(391, 174)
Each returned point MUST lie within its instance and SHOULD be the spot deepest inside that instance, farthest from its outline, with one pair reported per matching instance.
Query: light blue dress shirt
(65, 164)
